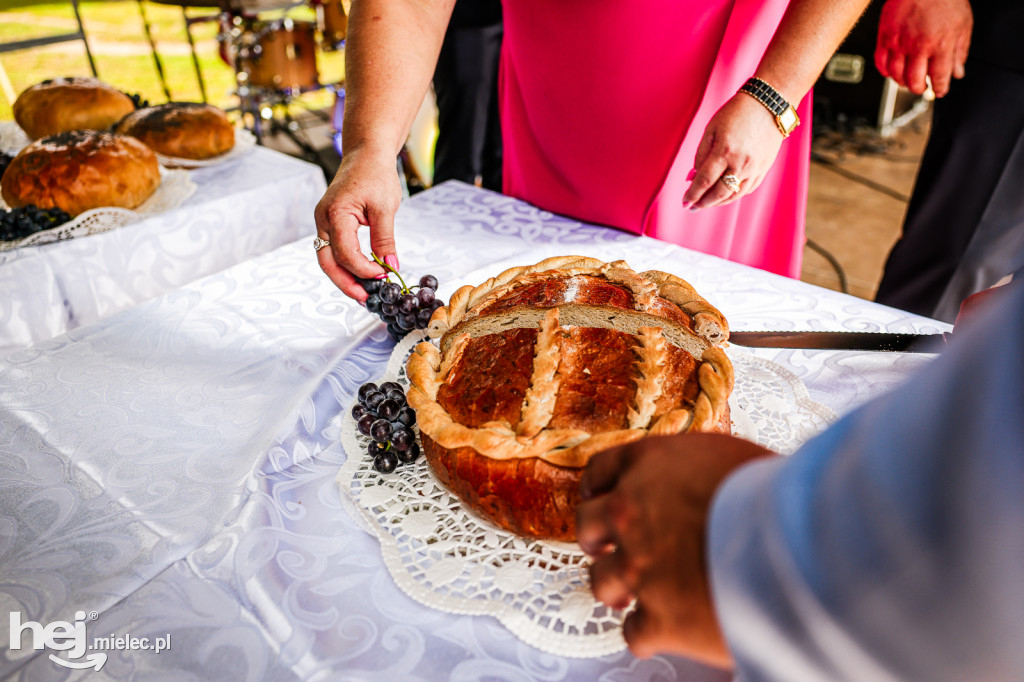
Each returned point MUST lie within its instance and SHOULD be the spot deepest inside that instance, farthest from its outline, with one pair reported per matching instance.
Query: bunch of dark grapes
(18, 223)
(5, 161)
(383, 414)
(402, 308)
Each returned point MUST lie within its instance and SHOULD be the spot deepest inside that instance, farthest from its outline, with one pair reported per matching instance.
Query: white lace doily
(450, 559)
(244, 143)
(12, 138)
(175, 187)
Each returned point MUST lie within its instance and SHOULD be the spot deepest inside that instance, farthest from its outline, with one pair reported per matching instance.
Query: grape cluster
(5, 161)
(399, 306)
(18, 223)
(383, 414)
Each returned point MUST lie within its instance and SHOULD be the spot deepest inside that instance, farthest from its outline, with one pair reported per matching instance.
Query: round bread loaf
(75, 103)
(544, 366)
(81, 169)
(185, 130)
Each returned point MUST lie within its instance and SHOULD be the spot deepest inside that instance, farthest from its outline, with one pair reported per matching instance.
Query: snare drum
(285, 56)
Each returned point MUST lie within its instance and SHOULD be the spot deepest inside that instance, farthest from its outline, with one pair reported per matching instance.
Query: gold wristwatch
(784, 113)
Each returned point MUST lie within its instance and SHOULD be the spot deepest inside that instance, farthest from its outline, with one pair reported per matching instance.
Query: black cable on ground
(843, 285)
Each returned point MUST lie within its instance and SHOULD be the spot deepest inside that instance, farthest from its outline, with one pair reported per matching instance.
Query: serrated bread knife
(874, 341)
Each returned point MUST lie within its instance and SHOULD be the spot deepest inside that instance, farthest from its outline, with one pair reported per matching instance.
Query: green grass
(122, 54)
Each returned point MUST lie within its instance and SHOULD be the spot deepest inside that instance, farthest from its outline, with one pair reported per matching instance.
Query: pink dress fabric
(604, 102)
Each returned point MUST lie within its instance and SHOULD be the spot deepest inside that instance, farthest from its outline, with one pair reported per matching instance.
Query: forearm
(808, 35)
(390, 56)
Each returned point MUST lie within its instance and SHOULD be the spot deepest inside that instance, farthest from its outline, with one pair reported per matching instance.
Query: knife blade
(870, 341)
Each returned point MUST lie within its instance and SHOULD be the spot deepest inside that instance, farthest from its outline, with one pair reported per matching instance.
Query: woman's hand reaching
(366, 191)
(741, 141)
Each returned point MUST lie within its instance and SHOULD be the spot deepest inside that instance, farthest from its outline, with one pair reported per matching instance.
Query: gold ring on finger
(731, 182)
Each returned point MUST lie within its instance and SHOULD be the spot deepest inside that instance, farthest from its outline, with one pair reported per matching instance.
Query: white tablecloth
(171, 469)
(241, 209)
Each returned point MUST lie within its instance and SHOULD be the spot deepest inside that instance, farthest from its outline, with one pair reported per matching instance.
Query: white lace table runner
(175, 187)
(450, 559)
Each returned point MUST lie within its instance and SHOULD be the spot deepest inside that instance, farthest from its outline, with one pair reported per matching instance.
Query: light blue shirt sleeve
(890, 547)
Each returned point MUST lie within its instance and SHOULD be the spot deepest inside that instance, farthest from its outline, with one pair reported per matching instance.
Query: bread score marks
(651, 350)
(539, 402)
(468, 301)
(493, 439)
(565, 446)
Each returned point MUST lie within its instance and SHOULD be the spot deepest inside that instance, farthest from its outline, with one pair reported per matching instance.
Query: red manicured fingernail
(392, 260)
(691, 175)
(382, 275)
(687, 204)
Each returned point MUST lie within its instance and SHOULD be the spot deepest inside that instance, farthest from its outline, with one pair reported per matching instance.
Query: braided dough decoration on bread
(543, 366)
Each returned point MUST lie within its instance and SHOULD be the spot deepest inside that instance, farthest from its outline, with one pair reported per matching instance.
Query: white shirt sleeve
(890, 547)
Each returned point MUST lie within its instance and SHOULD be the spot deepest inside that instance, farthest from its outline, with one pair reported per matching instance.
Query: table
(240, 209)
(171, 469)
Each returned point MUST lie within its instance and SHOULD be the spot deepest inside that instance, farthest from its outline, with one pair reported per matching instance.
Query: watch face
(788, 119)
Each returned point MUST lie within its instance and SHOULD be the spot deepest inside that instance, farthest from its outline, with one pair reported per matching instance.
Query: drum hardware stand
(152, 48)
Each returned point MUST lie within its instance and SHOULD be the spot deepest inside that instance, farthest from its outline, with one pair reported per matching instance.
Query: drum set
(274, 59)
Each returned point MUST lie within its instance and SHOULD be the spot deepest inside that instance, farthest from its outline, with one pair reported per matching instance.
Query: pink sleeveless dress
(604, 102)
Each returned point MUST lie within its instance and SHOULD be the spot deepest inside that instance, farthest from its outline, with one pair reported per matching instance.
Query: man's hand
(366, 191)
(918, 38)
(644, 519)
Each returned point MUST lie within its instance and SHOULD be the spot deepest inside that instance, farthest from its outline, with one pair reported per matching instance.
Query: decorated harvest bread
(185, 130)
(81, 169)
(543, 366)
(76, 103)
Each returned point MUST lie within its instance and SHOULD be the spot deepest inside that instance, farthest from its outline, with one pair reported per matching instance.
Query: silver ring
(731, 182)
(319, 243)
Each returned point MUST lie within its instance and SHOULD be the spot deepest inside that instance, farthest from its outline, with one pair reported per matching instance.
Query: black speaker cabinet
(851, 91)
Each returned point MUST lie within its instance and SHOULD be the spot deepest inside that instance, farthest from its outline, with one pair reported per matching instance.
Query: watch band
(785, 115)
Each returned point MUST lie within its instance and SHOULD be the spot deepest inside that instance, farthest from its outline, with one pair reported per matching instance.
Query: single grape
(373, 303)
(358, 410)
(407, 303)
(410, 454)
(423, 318)
(429, 281)
(397, 395)
(407, 416)
(425, 296)
(385, 462)
(365, 390)
(365, 422)
(374, 399)
(401, 439)
(380, 430)
(388, 409)
(371, 286)
(406, 321)
(438, 303)
(388, 309)
(390, 292)
(375, 448)
(389, 386)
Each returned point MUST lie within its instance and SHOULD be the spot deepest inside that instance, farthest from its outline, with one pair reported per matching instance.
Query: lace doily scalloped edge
(176, 186)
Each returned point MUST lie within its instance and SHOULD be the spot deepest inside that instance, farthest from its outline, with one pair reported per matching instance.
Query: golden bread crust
(81, 170)
(517, 391)
(184, 130)
(62, 104)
